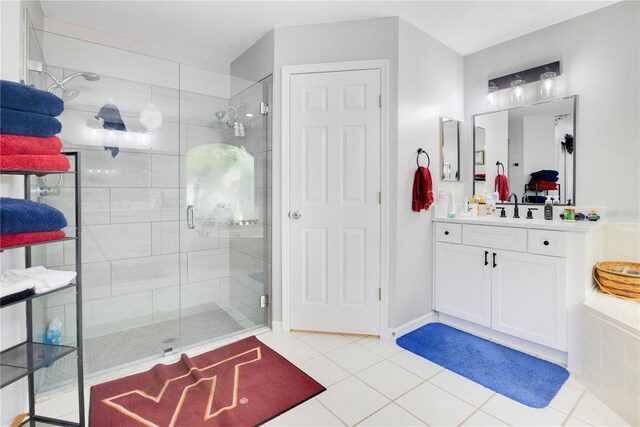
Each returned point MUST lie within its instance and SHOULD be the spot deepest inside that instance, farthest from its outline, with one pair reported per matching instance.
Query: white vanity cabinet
(496, 279)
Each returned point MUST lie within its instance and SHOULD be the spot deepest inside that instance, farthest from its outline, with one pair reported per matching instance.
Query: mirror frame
(473, 145)
(457, 176)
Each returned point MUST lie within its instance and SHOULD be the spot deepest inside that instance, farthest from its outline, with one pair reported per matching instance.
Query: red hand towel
(502, 187)
(542, 185)
(22, 162)
(26, 238)
(19, 144)
(422, 190)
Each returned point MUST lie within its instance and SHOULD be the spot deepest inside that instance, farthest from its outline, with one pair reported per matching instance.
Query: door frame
(287, 71)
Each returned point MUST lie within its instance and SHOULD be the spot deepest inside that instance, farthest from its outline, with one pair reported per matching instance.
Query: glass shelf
(27, 357)
(38, 243)
(70, 285)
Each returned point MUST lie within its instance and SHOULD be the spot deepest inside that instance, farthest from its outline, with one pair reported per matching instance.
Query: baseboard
(276, 326)
(412, 325)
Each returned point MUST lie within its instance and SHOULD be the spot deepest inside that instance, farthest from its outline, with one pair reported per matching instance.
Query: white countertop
(624, 313)
(539, 224)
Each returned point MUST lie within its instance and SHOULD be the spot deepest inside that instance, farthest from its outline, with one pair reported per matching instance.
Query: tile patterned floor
(376, 383)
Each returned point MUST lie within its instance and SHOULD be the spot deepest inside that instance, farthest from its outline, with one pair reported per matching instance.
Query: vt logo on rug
(245, 383)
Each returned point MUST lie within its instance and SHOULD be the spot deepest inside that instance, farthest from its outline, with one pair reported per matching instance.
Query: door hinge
(379, 294)
(380, 101)
(264, 108)
(379, 197)
(264, 301)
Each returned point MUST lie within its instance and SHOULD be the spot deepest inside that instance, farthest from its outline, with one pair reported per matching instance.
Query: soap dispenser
(548, 209)
(451, 213)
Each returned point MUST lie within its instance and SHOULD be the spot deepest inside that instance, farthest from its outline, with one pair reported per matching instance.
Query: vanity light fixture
(493, 97)
(517, 90)
(548, 84)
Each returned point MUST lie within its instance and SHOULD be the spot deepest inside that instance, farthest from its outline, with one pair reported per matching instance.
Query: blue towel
(545, 175)
(16, 122)
(16, 96)
(25, 216)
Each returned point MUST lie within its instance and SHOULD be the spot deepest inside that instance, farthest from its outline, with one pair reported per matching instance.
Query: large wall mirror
(534, 146)
(450, 145)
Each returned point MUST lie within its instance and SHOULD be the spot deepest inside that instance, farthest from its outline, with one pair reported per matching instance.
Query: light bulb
(493, 97)
(517, 91)
(548, 84)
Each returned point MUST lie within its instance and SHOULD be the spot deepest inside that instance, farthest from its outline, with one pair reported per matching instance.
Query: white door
(529, 297)
(334, 201)
(463, 282)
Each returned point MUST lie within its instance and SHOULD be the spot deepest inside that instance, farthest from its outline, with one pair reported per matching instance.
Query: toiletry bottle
(52, 337)
(451, 212)
(467, 207)
(548, 209)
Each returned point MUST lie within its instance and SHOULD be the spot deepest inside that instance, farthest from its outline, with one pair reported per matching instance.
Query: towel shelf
(24, 359)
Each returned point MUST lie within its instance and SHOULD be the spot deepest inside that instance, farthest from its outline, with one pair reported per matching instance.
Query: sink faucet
(516, 214)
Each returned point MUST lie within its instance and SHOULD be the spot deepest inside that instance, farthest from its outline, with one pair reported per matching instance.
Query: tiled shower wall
(141, 264)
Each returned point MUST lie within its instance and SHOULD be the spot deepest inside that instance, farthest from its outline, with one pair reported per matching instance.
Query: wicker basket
(621, 279)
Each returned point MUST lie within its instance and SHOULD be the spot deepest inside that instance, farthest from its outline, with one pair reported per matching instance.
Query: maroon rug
(242, 384)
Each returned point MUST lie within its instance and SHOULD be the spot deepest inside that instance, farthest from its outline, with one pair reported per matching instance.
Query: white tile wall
(141, 274)
(129, 205)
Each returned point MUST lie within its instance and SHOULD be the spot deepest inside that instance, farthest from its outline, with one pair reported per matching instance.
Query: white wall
(599, 53)
(496, 149)
(13, 398)
(430, 79)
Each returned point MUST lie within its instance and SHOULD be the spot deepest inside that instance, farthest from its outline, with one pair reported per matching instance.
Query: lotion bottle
(451, 212)
(548, 209)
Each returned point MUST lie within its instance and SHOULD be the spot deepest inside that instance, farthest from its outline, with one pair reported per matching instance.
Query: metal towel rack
(421, 151)
(498, 164)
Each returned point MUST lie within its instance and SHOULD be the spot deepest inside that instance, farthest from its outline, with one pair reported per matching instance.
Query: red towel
(422, 190)
(502, 187)
(542, 185)
(26, 238)
(18, 144)
(28, 162)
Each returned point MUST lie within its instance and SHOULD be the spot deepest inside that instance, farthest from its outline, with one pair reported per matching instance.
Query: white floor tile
(515, 413)
(462, 387)
(354, 337)
(573, 382)
(435, 406)
(591, 410)
(574, 422)
(325, 342)
(384, 348)
(292, 349)
(353, 357)
(389, 379)
(323, 370)
(59, 405)
(416, 364)
(310, 413)
(392, 415)
(566, 398)
(481, 419)
(352, 400)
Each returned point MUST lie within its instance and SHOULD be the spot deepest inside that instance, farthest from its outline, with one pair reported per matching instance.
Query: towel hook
(498, 164)
(421, 151)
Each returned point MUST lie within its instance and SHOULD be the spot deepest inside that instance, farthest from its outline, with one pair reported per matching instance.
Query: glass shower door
(224, 232)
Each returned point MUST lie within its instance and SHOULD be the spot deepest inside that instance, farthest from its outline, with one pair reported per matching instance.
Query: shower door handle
(191, 223)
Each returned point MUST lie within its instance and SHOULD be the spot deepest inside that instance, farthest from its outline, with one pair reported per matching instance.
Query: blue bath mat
(521, 377)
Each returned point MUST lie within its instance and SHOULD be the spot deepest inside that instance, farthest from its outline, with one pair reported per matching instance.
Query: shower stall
(176, 200)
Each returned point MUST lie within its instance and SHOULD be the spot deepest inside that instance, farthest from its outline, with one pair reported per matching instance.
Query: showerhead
(225, 117)
(88, 76)
(69, 94)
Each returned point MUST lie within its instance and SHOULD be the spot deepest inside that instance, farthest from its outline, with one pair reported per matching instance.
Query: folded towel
(18, 296)
(27, 238)
(542, 185)
(25, 216)
(543, 179)
(545, 175)
(16, 122)
(28, 162)
(536, 199)
(13, 285)
(18, 144)
(40, 278)
(17, 96)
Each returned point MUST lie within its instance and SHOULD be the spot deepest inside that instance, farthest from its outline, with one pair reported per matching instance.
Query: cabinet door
(529, 297)
(463, 283)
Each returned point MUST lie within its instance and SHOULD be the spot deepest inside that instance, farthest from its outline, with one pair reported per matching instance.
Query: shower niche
(175, 203)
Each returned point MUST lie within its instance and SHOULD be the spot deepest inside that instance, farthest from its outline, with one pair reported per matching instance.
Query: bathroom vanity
(516, 281)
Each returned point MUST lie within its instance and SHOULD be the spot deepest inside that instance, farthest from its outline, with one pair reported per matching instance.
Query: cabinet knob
(446, 233)
(546, 243)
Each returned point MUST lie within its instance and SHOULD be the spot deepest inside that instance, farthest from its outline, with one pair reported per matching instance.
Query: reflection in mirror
(450, 143)
(533, 146)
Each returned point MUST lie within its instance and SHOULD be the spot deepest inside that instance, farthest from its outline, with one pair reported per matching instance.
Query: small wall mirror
(533, 146)
(450, 143)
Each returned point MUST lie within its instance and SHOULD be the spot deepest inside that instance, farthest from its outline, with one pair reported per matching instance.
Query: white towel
(40, 278)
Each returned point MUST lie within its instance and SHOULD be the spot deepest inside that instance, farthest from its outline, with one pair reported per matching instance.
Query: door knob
(296, 215)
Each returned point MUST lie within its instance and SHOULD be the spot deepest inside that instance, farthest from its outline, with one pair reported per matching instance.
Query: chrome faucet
(516, 213)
